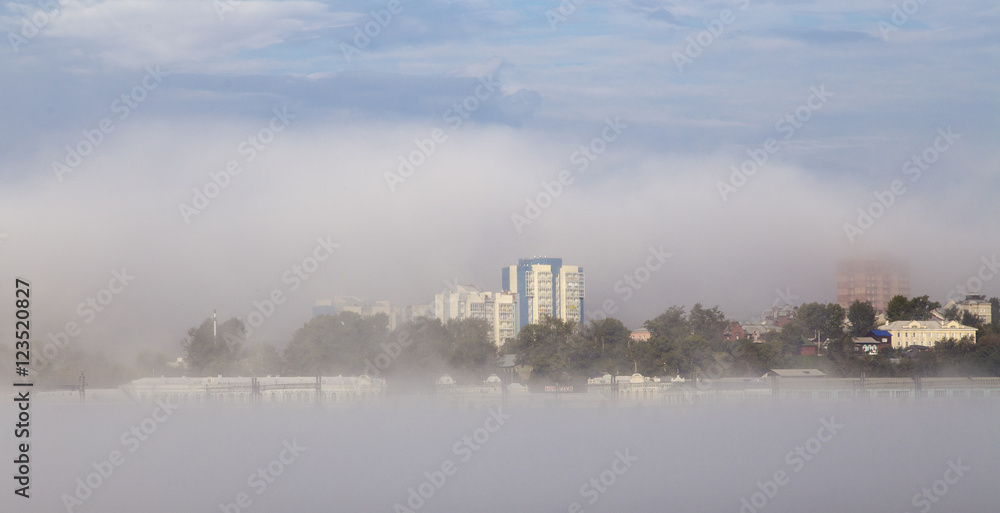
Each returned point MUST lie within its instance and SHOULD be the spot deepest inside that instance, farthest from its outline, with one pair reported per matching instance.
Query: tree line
(689, 343)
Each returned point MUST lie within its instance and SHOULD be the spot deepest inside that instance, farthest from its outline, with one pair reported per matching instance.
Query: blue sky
(325, 173)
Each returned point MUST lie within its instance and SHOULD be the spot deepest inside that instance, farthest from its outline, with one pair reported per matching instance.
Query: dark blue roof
(880, 333)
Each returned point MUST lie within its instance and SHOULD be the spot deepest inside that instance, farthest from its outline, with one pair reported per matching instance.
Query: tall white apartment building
(544, 286)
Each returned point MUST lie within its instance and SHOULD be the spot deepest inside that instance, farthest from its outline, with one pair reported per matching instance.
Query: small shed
(882, 336)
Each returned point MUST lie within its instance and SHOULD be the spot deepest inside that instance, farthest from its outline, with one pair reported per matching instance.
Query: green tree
(793, 336)
(862, 318)
(916, 309)
(470, 352)
(610, 347)
(988, 345)
(825, 320)
(959, 358)
(212, 352)
(971, 319)
(922, 308)
(336, 344)
(755, 359)
(898, 309)
(609, 333)
(430, 347)
(671, 324)
(551, 348)
(682, 343)
(708, 323)
(691, 354)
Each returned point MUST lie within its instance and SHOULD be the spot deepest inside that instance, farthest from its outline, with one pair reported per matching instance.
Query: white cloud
(325, 175)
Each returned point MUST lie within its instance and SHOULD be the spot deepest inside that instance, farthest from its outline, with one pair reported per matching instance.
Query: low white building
(329, 389)
(926, 333)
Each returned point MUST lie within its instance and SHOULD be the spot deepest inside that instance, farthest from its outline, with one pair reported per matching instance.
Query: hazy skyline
(268, 86)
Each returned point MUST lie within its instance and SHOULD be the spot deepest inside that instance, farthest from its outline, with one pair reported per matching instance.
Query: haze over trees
(213, 352)
(415, 354)
(332, 345)
(422, 351)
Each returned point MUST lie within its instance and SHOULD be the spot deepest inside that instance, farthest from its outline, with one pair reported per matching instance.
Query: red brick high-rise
(871, 279)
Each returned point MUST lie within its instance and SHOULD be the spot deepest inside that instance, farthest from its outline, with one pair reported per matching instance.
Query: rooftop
(796, 373)
(926, 325)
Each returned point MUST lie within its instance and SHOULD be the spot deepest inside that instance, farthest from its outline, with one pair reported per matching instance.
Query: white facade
(504, 317)
(499, 309)
(571, 293)
(545, 287)
(560, 296)
(455, 305)
(538, 291)
(926, 333)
